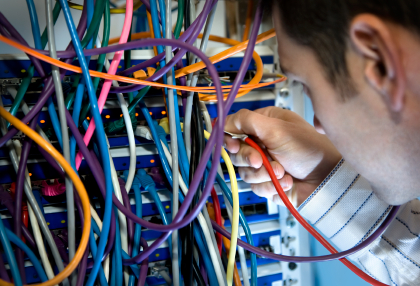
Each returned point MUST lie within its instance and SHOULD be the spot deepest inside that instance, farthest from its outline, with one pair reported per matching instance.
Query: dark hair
(323, 26)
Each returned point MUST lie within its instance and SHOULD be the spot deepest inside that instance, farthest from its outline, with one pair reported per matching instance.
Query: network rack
(268, 222)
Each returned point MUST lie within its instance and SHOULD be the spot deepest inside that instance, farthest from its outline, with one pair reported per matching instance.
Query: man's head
(359, 62)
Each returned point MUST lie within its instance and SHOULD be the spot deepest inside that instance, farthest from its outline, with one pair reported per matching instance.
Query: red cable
(304, 223)
(218, 216)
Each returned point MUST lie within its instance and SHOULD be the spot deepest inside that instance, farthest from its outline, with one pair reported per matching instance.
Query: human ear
(383, 69)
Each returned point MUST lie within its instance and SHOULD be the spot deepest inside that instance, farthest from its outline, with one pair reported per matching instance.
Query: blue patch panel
(12, 68)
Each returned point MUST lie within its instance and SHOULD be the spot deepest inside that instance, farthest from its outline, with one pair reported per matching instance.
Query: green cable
(26, 81)
(101, 59)
(70, 97)
(180, 18)
(119, 124)
(94, 24)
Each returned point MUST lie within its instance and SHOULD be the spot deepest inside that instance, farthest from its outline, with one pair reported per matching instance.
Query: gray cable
(174, 145)
(166, 277)
(71, 223)
(32, 201)
(192, 81)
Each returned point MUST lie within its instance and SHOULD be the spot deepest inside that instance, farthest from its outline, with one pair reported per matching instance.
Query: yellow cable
(235, 216)
(80, 190)
(118, 10)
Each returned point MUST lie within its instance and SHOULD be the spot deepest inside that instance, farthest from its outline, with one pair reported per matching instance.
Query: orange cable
(151, 33)
(248, 20)
(133, 80)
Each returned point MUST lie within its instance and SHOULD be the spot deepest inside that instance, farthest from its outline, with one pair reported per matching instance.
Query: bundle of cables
(105, 245)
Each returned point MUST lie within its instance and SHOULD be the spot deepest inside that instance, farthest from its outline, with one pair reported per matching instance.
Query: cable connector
(144, 132)
(145, 180)
(161, 133)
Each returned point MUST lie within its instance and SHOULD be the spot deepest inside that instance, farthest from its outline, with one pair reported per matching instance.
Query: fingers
(246, 157)
(267, 190)
(279, 113)
(248, 122)
(232, 145)
(254, 176)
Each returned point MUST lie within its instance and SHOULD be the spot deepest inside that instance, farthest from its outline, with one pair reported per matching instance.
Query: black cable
(187, 23)
(187, 232)
(197, 274)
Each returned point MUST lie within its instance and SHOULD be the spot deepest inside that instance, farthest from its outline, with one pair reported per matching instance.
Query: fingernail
(248, 161)
(284, 185)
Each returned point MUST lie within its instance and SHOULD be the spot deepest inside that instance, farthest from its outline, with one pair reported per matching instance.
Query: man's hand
(301, 157)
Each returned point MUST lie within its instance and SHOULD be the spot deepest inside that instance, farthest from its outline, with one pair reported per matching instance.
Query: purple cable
(52, 163)
(48, 88)
(392, 214)
(15, 34)
(144, 265)
(203, 270)
(7, 200)
(130, 223)
(83, 262)
(20, 181)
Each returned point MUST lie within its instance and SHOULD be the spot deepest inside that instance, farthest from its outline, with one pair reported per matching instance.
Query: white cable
(131, 168)
(202, 221)
(34, 223)
(121, 217)
(241, 252)
(128, 126)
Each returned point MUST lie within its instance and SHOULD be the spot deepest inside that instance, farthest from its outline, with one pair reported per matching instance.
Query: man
(359, 62)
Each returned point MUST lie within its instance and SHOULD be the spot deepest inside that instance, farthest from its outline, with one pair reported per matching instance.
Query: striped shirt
(345, 210)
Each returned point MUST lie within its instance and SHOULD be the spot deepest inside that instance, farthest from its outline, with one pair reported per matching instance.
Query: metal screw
(284, 92)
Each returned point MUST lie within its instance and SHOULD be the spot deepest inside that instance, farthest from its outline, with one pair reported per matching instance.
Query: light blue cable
(100, 133)
(117, 252)
(95, 227)
(139, 212)
(10, 256)
(77, 105)
(32, 257)
(94, 250)
(164, 161)
(149, 185)
(181, 146)
(37, 40)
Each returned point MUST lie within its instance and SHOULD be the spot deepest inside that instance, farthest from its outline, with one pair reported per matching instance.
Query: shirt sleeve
(345, 210)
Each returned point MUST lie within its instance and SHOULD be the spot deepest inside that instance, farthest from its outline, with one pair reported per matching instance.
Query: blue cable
(95, 227)
(100, 133)
(139, 212)
(11, 259)
(149, 185)
(32, 257)
(113, 274)
(37, 40)
(94, 250)
(117, 252)
(77, 105)
(165, 165)
(244, 224)
(185, 169)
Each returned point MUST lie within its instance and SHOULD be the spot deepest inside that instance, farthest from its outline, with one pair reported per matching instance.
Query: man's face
(361, 126)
